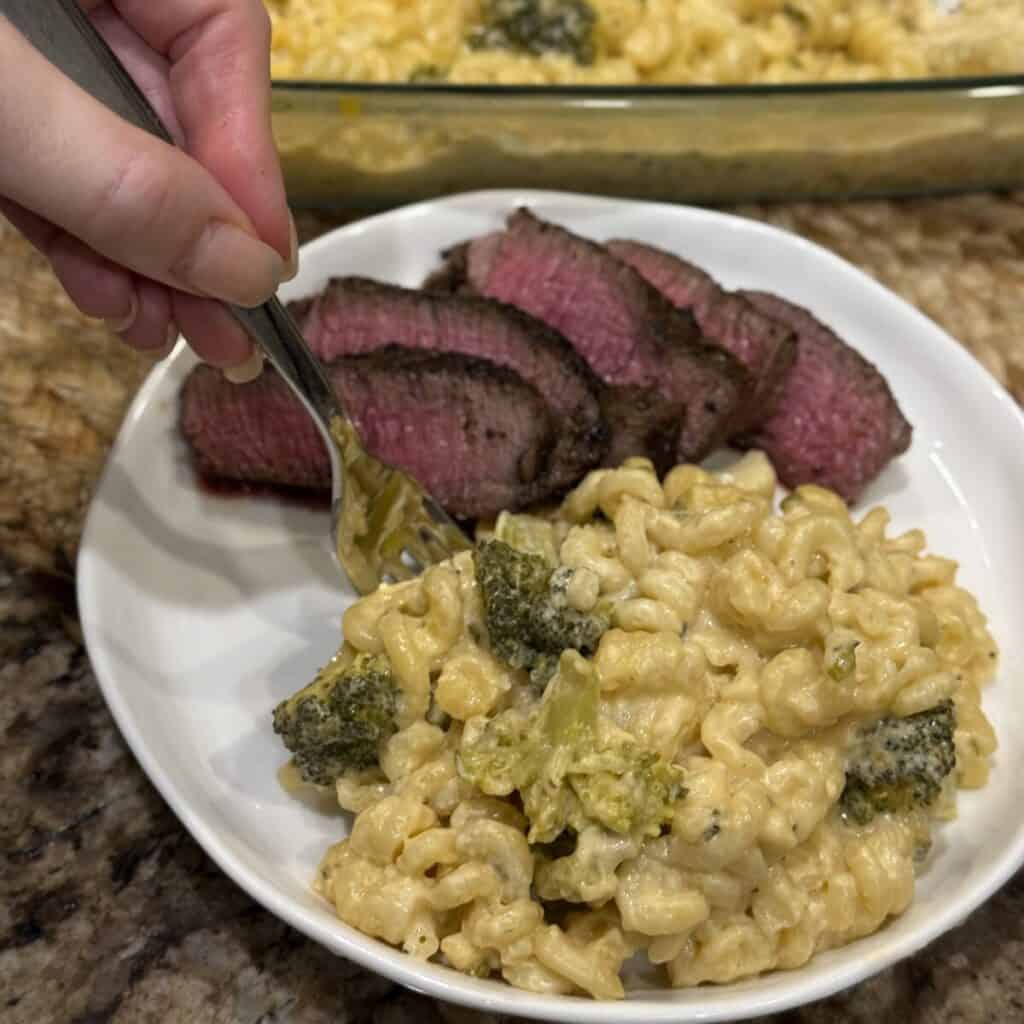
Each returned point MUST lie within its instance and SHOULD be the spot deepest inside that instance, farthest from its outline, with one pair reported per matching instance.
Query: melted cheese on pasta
(726, 618)
(654, 41)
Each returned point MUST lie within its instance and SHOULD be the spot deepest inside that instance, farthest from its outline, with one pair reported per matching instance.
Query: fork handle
(62, 32)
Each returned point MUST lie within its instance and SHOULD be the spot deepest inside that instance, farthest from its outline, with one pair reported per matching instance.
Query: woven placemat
(65, 381)
(64, 384)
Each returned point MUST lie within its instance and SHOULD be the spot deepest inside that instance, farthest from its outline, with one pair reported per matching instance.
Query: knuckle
(129, 198)
(137, 201)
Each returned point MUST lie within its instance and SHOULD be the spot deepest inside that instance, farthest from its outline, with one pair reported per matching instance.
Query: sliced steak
(475, 435)
(629, 334)
(644, 423)
(355, 315)
(450, 277)
(299, 309)
(837, 423)
(684, 285)
(255, 433)
(766, 347)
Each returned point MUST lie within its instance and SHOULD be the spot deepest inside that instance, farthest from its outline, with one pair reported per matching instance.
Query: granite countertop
(109, 911)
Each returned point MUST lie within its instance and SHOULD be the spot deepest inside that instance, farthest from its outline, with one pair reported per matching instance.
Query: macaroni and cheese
(649, 41)
(677, 787)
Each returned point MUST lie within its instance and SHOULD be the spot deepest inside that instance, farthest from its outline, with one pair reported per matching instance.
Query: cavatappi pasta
(726, 623)
(654, 41)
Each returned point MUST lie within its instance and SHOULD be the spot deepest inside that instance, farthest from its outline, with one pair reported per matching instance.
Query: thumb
(129, 196)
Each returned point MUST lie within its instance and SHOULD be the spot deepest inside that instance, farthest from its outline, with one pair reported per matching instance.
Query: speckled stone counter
(109, 911)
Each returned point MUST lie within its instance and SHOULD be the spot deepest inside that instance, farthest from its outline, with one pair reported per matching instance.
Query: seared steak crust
(645, 423)
(450, 277)
(766, 347)
(475, 435)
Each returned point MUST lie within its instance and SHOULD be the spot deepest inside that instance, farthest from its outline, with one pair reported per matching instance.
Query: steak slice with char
(475, 435)
(355, 315)
(629, 334)
(766, 347)
(641, 421)
(645, 422)
(685, 285)
(299, 310)
(837, 423)
(450, 277)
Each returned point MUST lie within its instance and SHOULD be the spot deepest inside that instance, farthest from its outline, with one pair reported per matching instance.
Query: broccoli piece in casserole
(424, 73)
(571, 768)
(537, 27)
(898, 765)
(528, 618)
(336, 724)
(842, 662)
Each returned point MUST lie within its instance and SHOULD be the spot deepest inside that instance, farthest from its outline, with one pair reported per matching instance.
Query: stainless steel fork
(384, 526)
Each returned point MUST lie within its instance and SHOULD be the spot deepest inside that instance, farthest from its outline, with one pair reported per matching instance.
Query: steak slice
(837, 423)
(629, 334)
(299, 310)
(644, 423)
(450, 277)
(641, 420)
(475, 435)
(766, 347)
(355, 315)
(685, 285)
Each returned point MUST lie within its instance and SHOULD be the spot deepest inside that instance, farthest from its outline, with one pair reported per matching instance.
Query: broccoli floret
(537, 27)
(628, 788)
(500, 759)
(511, 582)
(567, 769)
(528, 618)
(427, 73)
(898, 764)
(843, 662)
(336, 724)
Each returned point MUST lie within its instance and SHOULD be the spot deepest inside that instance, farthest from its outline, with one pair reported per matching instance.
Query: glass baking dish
(362, 145)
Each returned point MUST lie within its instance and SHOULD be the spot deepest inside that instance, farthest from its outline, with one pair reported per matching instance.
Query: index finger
(219, 52)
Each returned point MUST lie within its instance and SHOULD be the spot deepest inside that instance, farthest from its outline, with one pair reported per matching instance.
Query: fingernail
(247, 371)
(229, 264)
(119, 324)
(291, 268)
(171, 340)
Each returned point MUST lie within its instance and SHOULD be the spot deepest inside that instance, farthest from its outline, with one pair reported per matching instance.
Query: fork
(384, 526)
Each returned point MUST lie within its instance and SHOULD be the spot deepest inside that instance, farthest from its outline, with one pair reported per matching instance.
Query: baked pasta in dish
(626, 42)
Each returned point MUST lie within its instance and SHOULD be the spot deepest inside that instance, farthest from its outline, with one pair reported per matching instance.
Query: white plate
(200, 613)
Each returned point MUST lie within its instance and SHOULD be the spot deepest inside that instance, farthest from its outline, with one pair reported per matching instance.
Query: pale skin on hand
(139, 233)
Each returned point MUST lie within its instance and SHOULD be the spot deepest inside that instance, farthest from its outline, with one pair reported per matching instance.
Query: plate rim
(435, 980)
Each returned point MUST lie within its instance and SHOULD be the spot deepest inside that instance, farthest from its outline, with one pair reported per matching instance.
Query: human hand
(141, 234)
